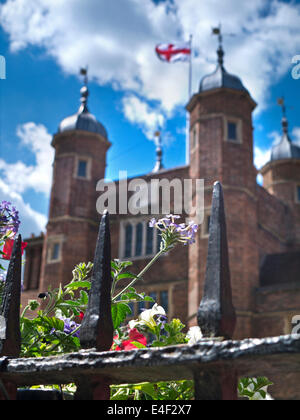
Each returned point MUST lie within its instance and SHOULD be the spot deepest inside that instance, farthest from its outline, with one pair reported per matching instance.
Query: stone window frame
(194, 137)
(51, 242)
(239, 127)
(88, 160)
(122, 246)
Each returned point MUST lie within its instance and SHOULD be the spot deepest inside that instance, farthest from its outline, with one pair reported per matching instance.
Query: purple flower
(172, 232)
(9, 219)
(71, 326)
(161, 320)
(152, 223)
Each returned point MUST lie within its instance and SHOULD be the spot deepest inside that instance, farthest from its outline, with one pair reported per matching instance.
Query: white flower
(147, 317)
(194, 334)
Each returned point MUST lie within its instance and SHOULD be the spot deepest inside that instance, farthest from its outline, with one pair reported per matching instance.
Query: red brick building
(263, 222)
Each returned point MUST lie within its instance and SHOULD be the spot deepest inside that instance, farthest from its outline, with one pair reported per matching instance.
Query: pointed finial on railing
(97, 325)
(216, 315)
(10, 336)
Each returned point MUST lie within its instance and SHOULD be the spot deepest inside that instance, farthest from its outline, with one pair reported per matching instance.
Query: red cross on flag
(172, 53)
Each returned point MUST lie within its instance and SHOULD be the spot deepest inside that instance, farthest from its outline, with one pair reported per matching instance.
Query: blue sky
(45, 42)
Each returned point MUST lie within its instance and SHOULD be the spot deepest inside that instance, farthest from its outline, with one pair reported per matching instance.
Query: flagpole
(187, 149)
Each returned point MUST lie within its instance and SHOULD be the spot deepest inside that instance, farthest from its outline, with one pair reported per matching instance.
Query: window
(138, 240)
(159, 297)
(159, 241)
(164, 300)
(54, 252)
(298, 194)
(128, 241)
(233, 130)
(82, 169)
(149, 240)
(194, 138)
(153, 295)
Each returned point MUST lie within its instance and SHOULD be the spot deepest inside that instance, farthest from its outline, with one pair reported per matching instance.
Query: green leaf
(138, 345)
(79, 285)
(84, 297)
(119, 312)
(126, 276)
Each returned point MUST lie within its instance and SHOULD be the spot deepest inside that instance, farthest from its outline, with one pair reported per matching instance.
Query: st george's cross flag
(172, 53)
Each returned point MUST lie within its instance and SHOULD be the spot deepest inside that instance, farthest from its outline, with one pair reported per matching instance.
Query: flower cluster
(9, 220)
(134, 339)
(173, 233)
(156, 316)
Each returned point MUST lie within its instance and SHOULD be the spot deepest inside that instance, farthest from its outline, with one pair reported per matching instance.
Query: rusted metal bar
(10, 336)
(216, 315)
(216, 385)
(97, 326)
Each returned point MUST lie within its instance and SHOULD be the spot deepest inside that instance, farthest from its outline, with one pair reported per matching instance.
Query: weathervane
(285, 124)
(281, 102)
(218, 31)
(84, 73)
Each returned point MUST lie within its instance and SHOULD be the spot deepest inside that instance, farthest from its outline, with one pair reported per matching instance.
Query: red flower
(81, 315)
(134, 336)
(8, 248)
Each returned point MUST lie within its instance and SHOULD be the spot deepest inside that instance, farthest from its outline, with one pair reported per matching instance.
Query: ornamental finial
(159, 153)
(84, 92)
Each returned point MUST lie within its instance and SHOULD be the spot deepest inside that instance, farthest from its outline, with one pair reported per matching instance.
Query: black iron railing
(215, 363)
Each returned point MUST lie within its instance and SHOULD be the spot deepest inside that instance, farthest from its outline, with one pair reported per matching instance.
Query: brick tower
(221, 149)
(80, 146)
(281, 178)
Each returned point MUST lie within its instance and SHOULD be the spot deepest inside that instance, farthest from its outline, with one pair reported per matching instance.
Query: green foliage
(47, 334)
(254, 388)
(172, 334)
(55, 327)
(171, 391)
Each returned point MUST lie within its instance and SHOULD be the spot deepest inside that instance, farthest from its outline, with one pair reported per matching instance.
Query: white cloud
(118, 41)
(296, 135)
(31, 220)
(18, 178)
(21, 177)
(139, 112)
(261, 156)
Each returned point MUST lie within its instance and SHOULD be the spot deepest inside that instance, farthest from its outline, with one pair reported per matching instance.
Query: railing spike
(97, 326)
(10, 336)
(216, 315)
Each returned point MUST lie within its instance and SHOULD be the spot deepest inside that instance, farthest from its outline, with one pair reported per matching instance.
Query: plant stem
(140, 275)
